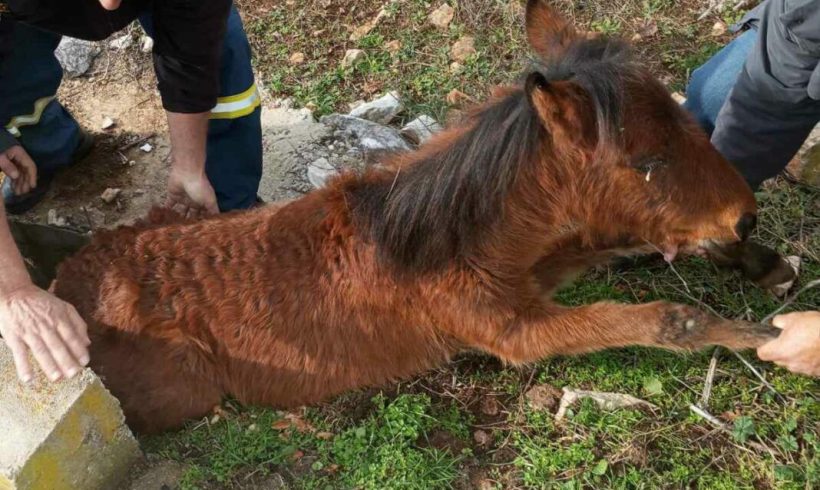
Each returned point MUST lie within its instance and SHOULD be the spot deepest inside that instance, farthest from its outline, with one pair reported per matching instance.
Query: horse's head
(641, 169)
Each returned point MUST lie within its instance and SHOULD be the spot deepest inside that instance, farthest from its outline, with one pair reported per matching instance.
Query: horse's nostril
(745, 225)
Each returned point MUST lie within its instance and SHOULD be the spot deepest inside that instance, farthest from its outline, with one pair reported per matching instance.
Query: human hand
(798, 346)
(190, 193)
(20, 168)
(33, 319)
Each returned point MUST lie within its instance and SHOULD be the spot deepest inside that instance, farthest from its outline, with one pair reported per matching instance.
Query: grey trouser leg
(772, 108)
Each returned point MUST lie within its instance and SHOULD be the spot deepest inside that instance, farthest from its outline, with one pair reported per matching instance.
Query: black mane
(439, 208)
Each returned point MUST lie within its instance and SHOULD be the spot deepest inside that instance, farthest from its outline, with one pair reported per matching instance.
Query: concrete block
(65, 435)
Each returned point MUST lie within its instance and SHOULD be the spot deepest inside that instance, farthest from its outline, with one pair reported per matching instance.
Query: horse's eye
(647, 165)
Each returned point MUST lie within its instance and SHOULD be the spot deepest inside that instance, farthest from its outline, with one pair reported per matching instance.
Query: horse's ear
(563, 107)
(547, 31)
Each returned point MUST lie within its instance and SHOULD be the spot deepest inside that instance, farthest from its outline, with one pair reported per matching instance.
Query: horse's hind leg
(557, 330)
(157, 384)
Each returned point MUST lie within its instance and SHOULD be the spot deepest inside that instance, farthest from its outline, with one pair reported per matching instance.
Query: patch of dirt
(120, 87)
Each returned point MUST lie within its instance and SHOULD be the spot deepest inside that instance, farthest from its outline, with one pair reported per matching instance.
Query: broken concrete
(70, 434)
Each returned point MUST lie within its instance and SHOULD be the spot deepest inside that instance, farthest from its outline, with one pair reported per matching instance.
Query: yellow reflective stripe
(236, 114)
(236, 106)
(233, 98)
(29, 119)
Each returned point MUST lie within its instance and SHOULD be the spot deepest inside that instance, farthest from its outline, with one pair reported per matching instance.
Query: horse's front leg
(556, 330)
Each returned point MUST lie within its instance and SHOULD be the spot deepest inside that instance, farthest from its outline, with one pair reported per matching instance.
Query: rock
(679, 98)
(810, 172)
(273, 482)
(393, 47)
(442, 16)
(162, 475)
(67, 434)
(320, 171)
(456, 97)
(53, 219)
(421, 129)
(352, 56)
(147, 147)
(147, 44)
(122, 42)
(543, 397)
(636, 38)
(366, 135)
(648, 29)
(490, 406)
(365, 28)
(107, 123)
(296, 58)
(485, 484)
(463, 49)
(76, 56)
(718, 29)
(456, 68)
(292, 139)
(382, 110)
(482, 438)
(110, 195)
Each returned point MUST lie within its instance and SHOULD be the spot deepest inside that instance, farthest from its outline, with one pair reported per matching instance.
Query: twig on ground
(724, 428)
(710, 379)
(791, 299)
(136, 142)
(759, 376)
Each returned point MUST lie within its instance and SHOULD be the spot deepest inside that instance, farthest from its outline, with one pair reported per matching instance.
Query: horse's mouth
(672, 250)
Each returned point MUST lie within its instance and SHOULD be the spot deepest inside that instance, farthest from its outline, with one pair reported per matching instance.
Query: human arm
(798, 346)
(189, 191)
(34, 320)
(187, 60)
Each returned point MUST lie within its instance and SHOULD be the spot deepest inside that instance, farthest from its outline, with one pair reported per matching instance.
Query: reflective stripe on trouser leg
(29, 78)
(236, 106)
(234, 153)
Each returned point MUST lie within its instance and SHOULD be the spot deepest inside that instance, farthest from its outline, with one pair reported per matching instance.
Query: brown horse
(457, 246)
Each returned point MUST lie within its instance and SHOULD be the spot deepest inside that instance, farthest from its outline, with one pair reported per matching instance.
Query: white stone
(442, 16)
(296, 58)
(147, 44)
(352, 56)
(107, 123)
(320, 171)
(463, 49)
(421, 129)
(382, 110)
(110, 194)
(366, 135)
(122, 42)
(147, 147)
(55, 220)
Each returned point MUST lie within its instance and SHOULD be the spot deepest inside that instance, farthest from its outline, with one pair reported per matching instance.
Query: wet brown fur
(381, 276)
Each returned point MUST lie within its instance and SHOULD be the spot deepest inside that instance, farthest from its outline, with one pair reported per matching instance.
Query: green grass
(421, 434)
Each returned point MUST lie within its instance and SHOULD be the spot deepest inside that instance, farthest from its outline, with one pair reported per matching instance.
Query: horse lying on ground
(457, 246)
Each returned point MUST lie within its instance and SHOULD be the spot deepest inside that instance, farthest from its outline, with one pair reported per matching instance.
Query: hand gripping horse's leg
(557, 331)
